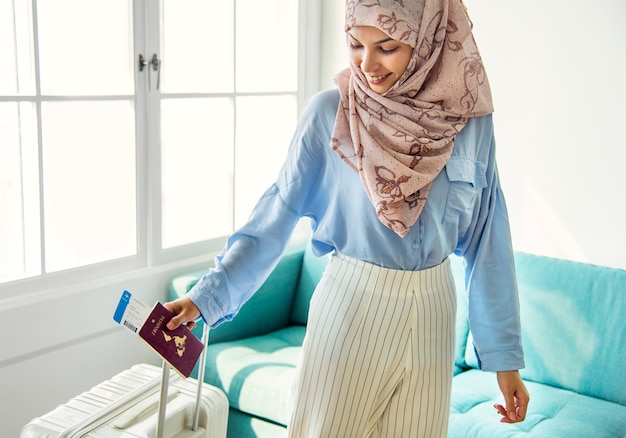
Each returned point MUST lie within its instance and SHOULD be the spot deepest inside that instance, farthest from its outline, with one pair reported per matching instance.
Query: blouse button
(416, 245)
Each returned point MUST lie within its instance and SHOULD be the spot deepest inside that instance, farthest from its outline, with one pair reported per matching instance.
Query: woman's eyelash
(385, 51)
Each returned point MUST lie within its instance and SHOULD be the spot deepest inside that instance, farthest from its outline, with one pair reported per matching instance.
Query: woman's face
(381, 59)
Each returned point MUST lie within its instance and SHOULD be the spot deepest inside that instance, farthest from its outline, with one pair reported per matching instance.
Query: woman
(396, 170)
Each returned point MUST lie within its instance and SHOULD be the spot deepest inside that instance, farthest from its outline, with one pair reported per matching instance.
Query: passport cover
(180, 347)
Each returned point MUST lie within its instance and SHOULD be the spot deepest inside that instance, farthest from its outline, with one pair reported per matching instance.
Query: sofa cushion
(462, 324)
(257, 373)
(553, 412)
(269, 308)
(312, 269)
(573, 325)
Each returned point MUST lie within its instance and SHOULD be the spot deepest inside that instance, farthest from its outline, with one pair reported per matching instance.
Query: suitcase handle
(165, 379)
(201, 368)
(141, 410)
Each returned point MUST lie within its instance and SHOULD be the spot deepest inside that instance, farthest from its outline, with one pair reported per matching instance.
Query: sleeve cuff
(508, 360)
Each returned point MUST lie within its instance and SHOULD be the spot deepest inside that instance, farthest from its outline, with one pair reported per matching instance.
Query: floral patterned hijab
(399, 141)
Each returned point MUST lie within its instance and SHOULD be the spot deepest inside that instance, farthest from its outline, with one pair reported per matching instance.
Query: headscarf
(399, 141)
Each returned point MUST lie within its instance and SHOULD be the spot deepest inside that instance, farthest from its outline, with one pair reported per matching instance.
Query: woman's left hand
(516, 397)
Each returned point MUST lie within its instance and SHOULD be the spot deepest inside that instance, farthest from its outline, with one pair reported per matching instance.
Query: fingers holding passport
(184, 311)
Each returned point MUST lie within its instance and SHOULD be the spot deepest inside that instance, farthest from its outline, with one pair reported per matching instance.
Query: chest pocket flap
(466, 170)
(466, 181)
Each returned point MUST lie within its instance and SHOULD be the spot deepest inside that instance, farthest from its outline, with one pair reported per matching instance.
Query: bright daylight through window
(102, 161)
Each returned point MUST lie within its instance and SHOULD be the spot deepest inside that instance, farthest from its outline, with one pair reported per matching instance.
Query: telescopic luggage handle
(165, 380)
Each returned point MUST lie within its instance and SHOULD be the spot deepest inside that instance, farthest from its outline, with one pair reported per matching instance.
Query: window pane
(89, 181)
(267, 45)
(16, 74)
(197, 166)
(19, 188)
(197, 43)
(86, 47)
(264, 129)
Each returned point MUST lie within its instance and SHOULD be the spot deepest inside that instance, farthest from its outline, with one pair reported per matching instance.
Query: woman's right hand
(184, 311)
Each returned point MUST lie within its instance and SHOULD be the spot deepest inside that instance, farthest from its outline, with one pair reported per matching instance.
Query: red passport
(180, 347)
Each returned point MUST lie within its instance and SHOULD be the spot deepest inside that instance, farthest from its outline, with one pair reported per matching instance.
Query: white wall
(557, 72)
(557, 69)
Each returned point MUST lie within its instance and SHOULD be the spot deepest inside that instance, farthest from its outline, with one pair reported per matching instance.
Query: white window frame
(150, 259)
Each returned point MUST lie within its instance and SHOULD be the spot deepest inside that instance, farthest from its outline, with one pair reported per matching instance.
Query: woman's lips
(378, 79)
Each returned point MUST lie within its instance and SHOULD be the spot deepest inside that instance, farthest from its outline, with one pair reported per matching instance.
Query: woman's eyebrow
(376, 43)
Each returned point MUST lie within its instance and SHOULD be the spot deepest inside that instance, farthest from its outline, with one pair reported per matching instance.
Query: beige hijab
(399, 141)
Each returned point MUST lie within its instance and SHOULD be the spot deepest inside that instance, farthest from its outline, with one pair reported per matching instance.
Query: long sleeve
(246, 261)
(491, 280)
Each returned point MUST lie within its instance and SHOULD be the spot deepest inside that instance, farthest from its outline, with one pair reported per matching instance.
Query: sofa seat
(257, 373)
(554, 413)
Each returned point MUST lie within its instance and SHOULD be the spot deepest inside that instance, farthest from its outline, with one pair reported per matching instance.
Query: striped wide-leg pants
(378, 354)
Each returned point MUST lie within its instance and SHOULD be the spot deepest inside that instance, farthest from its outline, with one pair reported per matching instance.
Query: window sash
(148, 165)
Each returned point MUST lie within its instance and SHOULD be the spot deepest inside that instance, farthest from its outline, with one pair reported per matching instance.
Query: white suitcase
(144, 401)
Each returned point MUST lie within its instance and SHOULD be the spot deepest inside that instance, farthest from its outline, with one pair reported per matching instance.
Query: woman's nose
(368, 61)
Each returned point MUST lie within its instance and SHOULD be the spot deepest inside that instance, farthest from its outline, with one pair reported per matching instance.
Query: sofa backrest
(573, 326)
(462, 323)
(312, 269)
(268, 310)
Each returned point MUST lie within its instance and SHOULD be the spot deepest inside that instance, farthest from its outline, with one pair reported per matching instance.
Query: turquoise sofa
(574, 335)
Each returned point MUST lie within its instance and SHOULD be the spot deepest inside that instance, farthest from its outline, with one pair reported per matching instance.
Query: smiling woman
(396, 168)
(380, 58)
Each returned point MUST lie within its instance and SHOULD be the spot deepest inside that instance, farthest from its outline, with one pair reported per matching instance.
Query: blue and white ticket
(130, 312)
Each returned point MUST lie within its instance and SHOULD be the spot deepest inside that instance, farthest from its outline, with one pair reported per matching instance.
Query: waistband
(442, 268)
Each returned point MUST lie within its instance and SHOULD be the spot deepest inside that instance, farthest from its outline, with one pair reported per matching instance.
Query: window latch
(155, 62)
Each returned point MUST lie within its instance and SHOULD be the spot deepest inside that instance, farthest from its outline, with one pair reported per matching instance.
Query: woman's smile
(380, 58)
(377, 80)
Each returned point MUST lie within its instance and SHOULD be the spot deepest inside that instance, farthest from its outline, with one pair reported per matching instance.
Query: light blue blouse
(465, 213)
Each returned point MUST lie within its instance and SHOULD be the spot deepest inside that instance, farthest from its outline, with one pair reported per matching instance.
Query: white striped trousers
(378, 354)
